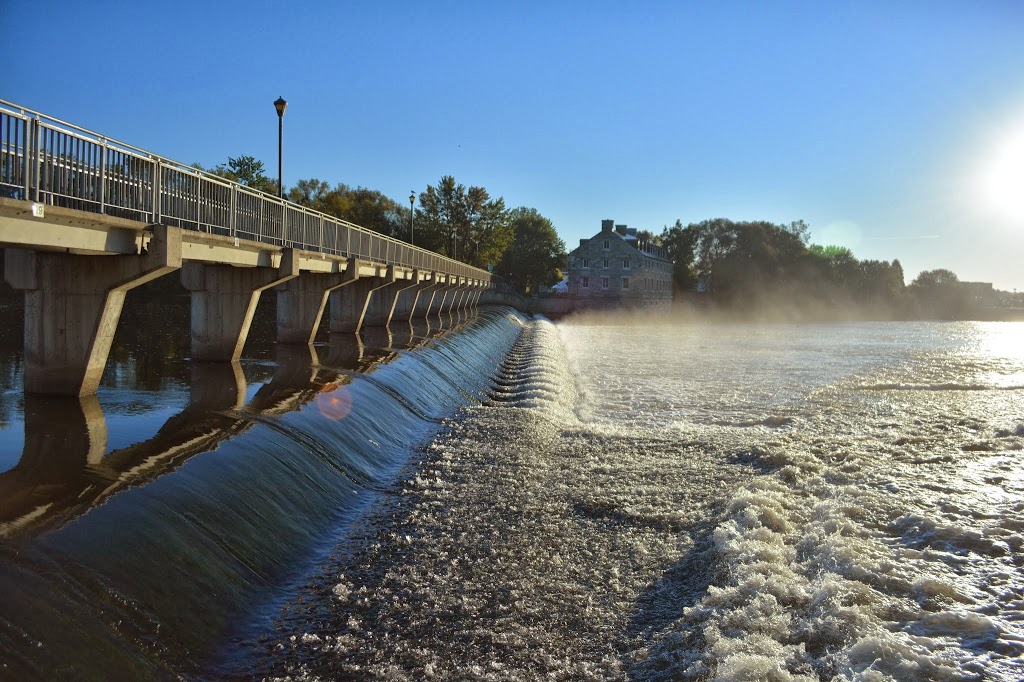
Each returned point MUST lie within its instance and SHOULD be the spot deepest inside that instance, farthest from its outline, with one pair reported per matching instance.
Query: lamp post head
(280, 105)
(412, 198)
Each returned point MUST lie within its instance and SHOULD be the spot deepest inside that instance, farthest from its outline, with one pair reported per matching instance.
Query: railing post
(232, 212)
(103, 176)
(284, 223)
(156, 189)
(26, 156)
(36, 157)
(199, 203)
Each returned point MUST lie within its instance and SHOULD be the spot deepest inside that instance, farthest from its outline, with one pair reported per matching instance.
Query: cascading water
(151, 581)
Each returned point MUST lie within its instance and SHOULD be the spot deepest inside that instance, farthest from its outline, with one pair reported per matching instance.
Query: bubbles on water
(745, 511)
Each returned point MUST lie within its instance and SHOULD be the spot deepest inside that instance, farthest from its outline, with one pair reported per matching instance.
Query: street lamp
(412, 231)
(280, 105)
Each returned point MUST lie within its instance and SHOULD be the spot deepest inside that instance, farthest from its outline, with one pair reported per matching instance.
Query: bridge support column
(464, 298)
(404, 292)
(448, 305)
(72, 305)
(437, 299)
(424, 297)
(408, 296)
(301, 303)
(224, 299)
(451, 291)
(368, 302)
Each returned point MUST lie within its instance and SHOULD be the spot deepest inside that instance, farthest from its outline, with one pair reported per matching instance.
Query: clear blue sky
(894, 128)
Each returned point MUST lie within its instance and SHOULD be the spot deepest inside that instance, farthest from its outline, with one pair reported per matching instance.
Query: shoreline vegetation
(721, 267)
(725, 270)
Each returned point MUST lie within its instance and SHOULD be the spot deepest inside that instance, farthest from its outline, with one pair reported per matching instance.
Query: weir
(84, 219)
(187, 537)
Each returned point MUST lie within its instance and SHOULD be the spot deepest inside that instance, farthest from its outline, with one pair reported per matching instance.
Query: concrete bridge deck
(84, 219)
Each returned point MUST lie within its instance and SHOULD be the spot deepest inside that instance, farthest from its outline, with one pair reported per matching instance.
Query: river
(602, 498)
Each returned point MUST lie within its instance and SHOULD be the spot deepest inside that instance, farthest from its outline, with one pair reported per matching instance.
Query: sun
(1002, 179)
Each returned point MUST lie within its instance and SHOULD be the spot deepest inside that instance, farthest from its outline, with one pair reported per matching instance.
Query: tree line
(463, 223)
(751, 265)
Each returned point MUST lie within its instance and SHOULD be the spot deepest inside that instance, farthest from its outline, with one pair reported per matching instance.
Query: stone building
(615, 268)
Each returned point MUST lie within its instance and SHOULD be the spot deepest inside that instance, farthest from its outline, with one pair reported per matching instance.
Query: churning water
(597, 499)
(666, 501)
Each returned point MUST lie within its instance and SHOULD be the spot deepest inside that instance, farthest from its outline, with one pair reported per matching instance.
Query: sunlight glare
(1002, 182)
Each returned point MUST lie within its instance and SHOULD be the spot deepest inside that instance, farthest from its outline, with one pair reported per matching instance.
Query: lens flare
(336, 404)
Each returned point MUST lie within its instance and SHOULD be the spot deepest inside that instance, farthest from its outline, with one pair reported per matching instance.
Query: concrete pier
(424, 297)
(301, 302)
(72, 306)
(405, 303)
(224, 299)
(368, 302)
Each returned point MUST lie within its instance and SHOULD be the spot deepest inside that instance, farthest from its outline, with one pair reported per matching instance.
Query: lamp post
(412, 230)
(280, 105)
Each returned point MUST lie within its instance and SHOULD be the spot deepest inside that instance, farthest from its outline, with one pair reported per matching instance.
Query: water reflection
(65, 467)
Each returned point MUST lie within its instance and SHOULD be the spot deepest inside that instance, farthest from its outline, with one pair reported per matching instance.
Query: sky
(893, 128)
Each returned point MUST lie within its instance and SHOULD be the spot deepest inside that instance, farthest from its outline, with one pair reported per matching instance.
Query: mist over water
(665, 501)
(507, 499)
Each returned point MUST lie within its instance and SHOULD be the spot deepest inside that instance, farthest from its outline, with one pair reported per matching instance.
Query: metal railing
(45, 160)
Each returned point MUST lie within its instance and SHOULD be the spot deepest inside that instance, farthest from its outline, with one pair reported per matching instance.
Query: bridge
(85, 218)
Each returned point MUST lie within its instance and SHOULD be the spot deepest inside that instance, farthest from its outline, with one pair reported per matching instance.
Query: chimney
(607, 225)
(621, 229)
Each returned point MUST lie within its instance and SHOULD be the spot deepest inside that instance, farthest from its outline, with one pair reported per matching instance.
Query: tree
(535, 256)
(938, 294)
(679, 243)
(367, 208)
(245, 170)
(311, 193)
(463, 223)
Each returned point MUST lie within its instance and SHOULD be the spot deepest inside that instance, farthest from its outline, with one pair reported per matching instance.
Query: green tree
(367, 208)
(938, 294)
(535, 256)
(245, 170)
(311, 193)
(679, 243)
(463, 223)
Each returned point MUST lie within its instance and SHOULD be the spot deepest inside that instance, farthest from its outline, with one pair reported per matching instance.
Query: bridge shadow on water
(660, 618)
(66, 466)
(659, 615)
(126, 554)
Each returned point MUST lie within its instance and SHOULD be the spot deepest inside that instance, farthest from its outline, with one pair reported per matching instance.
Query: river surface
(511, 499)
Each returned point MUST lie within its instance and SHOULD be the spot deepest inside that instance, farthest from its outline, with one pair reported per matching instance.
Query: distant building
(979, 291)
(615, 268)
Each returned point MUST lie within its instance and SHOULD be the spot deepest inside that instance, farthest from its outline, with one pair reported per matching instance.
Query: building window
(606, 245)
(604, 282)
(605, 263)
(625, 282)
(586, 283)
(625, 264)
(586, 262)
